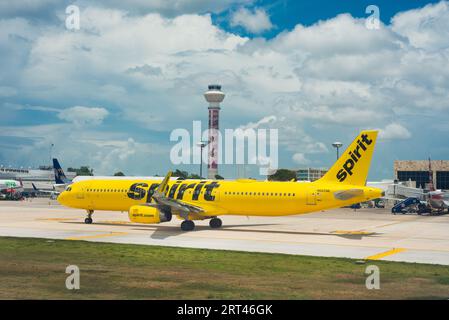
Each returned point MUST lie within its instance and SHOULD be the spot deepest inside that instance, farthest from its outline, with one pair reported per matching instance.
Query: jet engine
(147, 214)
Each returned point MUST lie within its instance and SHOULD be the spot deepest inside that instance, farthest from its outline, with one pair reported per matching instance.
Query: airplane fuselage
(218, 197)
(10, 186)
(156, 201)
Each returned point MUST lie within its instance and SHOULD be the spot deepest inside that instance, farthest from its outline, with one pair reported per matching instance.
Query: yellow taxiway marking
(385, 254)
(95, 236)
(351, 232)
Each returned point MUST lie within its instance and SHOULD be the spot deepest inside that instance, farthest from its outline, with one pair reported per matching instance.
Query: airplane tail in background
(60, 177)
(353, 165)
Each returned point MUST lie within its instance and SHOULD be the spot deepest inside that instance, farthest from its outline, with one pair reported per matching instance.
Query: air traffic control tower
(214, 96)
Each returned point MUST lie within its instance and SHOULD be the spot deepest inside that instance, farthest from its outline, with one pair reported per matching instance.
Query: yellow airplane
(156, 201)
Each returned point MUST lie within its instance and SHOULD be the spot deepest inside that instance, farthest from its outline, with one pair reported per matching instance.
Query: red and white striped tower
(214, 96)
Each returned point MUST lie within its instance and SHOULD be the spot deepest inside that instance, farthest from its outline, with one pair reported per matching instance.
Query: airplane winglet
(164, 183)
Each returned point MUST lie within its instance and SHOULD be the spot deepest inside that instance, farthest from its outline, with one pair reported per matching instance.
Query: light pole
(337, 145)
(201, 144)
(51, 147)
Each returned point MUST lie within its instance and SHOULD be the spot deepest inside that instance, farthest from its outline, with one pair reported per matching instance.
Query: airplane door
(89, 198)
(216, 194)
(311, 197)
(81, 193)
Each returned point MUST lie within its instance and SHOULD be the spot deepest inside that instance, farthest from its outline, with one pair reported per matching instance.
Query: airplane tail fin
(353, 165)
(34, 187)
(60, 177)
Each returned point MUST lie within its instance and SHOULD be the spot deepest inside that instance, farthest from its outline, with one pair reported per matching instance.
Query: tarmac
(365, 234)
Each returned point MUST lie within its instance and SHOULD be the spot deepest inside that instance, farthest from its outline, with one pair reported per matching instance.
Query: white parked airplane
(11, 188)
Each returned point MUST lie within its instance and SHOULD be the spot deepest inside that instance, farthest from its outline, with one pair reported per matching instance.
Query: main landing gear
(215, 223)
(189, 225)
(89, 220)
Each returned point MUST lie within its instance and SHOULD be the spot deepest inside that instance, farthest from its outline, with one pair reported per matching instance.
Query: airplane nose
(61, 198)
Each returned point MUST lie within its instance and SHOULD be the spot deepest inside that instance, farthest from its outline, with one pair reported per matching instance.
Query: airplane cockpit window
(68, 189)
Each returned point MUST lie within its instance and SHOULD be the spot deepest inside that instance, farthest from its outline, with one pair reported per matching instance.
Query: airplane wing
(348, 194)
(178, 207)
(45, 191)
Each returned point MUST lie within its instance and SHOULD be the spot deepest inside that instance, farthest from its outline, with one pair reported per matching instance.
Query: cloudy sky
(109, 94)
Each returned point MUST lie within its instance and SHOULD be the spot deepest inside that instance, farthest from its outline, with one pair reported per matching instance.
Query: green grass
(35, 269)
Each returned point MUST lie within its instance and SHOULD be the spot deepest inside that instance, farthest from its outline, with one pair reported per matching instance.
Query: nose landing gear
(89, 220)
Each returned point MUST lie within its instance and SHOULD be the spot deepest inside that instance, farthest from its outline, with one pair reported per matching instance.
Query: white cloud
(255, 125)
(6, 91)
(175, 7)
(309, 82)
(340, 35)
(316, 147)
(42, 8)
(427, 27)
(80, 115)
(394, 131)
(300, 158)
(255, 21)
(26, 7)
(105, 151)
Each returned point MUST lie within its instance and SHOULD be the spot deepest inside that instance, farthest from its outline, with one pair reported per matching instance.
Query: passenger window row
(107, 190)
(273, 194)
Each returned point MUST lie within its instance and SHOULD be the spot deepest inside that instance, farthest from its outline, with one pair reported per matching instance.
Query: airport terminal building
(418, 170)
(310, 174)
